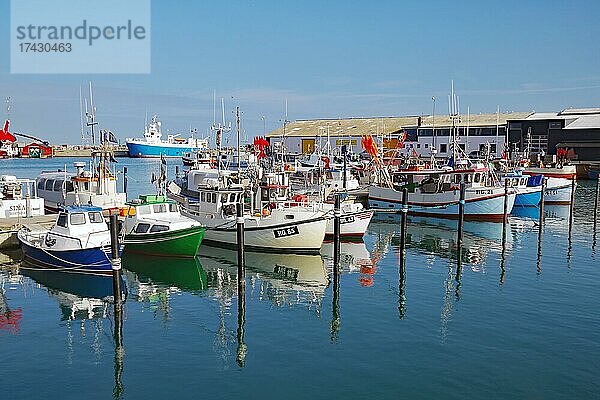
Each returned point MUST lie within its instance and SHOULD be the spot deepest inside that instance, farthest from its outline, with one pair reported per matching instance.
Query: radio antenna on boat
(81, 117)
(219, 130)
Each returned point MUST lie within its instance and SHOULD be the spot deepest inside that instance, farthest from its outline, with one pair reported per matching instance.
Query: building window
(554, 125)
(443, 147)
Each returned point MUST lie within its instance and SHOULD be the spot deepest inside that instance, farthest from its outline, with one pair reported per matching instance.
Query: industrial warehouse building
(577, 130)
(422, 133)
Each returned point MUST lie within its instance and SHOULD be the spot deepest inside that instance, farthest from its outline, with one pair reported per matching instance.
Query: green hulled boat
(153, 225)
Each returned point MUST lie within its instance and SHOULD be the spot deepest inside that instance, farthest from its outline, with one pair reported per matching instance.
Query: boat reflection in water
(10, 318)
(10, 256)
(354, 258)
(439, 237)
(80, 296)
(174, 274)
(283, 279)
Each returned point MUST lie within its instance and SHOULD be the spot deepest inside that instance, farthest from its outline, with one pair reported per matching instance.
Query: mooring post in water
(344, 176)
(596, 201)
(505, 211)
(403, 222)
(119, 355)
(337, 214)
(542, 197)
(242, 349)
(335, 306)
(241, 258)
(461, 214)
(115, 261)
(125, 180)
(572, 203)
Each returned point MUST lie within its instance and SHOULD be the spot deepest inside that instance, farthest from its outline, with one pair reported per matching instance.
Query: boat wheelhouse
(62, 188)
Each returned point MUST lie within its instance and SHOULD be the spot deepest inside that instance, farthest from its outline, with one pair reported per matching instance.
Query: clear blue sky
(328, 59)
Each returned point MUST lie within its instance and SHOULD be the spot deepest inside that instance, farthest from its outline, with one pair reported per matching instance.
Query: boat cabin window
(289, 216)
(77, 219)
(456, 178)
(159, 228)
(173, 207)
(70, 187)
(159, 208)
(467, 178)
(214, 198)
(202, 196)
(49, 184)
(95, 217)
(232, 198)
(477, 177)
(40, 184)
(57, 186)
(142, 228)
(516, 182)
(62, 220)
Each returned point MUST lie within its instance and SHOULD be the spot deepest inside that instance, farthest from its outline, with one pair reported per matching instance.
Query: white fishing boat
(275, 188)
(211, 196)
(93, 186)
(561, 180)
(17, 199)
(438, 194)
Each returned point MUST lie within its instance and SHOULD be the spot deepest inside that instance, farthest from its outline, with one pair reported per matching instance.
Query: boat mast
(219, 130)
(239, 154)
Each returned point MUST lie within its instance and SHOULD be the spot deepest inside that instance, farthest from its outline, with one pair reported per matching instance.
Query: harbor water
(489, 322)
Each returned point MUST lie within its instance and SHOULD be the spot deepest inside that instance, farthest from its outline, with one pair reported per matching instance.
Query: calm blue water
(529, 329)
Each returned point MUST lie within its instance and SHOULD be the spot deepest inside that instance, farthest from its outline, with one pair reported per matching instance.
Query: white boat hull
(301, 237)
(480, 204)
(354, 221)
(558, 191)
(18, 207)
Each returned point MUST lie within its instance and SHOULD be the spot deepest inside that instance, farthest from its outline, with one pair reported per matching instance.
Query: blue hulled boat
(151, 145)
(79, 241)
(528, 188)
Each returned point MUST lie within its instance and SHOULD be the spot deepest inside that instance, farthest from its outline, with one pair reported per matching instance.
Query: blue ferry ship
(152, 146)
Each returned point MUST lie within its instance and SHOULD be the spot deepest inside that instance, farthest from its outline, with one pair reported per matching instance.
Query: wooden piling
(505, 210)
(403, 222)
(115, 261)
(543, 195)
(461, 215)
(125, 181)
(242, 349)
(240, 248)
(596, 202)
(337, 213)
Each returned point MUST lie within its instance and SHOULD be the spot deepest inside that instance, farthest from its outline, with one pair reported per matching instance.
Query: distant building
(575, 129)
(422, 133)
(36, 150)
